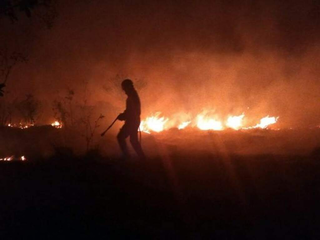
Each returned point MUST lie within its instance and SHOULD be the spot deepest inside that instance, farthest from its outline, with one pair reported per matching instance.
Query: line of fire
(157, 123)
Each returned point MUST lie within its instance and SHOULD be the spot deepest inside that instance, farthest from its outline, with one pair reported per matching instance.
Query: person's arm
(122, 116)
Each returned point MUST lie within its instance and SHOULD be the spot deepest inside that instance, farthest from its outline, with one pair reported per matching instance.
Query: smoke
(229, 57)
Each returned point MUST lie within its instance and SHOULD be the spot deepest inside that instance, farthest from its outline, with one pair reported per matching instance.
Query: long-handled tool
(102, 134)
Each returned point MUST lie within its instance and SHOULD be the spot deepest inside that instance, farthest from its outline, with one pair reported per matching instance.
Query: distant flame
(205, 123)
(266, 121)
(56, 124)
(20, 125)
(154, 123)
(25, 126)
(13, 158)
(184, 125)
(6, 159)
(235, 122)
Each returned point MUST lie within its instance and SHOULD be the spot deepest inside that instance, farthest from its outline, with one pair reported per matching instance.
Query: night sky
(257, 57)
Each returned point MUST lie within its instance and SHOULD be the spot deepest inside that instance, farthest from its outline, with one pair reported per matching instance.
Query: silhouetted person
(131, 116)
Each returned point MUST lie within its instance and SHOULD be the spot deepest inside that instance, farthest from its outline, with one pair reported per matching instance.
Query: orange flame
(205, 123)
(7, 159)
(184, 125)
(154, 123)
(266, 121)
(56, 124)
(13, 158)
(235, 122)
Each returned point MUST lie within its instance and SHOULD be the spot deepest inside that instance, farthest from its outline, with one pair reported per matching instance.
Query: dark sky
(257, 57)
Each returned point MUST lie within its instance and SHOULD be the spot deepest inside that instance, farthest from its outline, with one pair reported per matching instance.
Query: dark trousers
(130, 129)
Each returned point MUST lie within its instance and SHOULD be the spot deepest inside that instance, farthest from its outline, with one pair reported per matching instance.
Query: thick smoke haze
(257, 57)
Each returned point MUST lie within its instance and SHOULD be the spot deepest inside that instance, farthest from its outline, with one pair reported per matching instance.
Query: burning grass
(40, 142)
(203, 121)
(13, 158)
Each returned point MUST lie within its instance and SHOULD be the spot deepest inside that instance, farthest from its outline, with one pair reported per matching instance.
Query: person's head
(127, 86)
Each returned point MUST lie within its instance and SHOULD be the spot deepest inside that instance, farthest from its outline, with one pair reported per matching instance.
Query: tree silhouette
(8, 60)
(29, 109)
(12, 8)
(44, 10)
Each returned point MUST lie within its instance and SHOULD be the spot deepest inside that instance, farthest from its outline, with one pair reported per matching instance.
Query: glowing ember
(154, 123)
(266, 121)
(6, 159)
(184, 125)
(13, 158)
(208, 124)
(25, 126)
(235, 122)
(20, 125)
(56, 124)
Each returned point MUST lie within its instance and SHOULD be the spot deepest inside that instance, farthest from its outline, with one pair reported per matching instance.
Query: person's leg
(122, 135)
(136, 144)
